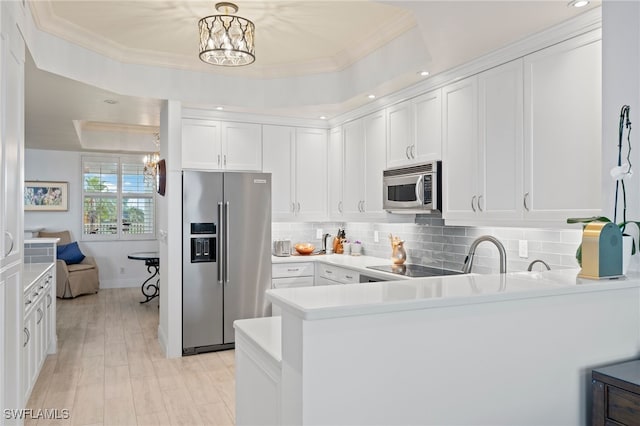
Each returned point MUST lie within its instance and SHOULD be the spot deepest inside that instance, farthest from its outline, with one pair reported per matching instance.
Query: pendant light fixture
(227, 39)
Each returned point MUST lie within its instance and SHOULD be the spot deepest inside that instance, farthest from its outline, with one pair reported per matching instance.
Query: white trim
(206, 113)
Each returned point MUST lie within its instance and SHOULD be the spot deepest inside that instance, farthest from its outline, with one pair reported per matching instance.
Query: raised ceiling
(293, 38)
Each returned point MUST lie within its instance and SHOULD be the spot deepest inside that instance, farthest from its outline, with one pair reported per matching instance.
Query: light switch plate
(523, 248)
(319, 233)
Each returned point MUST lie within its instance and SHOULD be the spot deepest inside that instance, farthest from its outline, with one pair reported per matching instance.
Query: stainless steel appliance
(416, 271)
(414, 189)
(282, 248)
(226, 255)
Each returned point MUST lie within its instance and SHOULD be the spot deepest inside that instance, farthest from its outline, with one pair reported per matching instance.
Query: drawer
(623, 406)
(286, 270)
(334, 273)
(292, 282)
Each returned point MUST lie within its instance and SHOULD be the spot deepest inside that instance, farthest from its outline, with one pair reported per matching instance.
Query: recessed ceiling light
(578, 3)
(110, 101)
(322, 117)
(371, 96)
(220, 108)
(423, 73)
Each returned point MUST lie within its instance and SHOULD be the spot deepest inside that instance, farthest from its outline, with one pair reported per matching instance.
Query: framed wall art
(46, 196)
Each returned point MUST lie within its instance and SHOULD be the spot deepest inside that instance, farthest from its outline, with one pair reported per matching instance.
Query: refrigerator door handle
(220, 236)
(226, 240)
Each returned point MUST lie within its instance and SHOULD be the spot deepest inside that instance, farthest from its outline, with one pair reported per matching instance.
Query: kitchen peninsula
(512, 348)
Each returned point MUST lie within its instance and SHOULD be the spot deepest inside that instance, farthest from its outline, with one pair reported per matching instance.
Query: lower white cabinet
(39, 327)
(287, 275)
(331, 275)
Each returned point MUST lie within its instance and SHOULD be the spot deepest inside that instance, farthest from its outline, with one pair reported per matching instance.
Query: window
(117, 201)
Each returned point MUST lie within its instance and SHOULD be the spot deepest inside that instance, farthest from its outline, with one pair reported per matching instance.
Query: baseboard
(127, 283)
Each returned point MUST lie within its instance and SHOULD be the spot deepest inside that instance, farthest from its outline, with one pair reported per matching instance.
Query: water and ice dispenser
(203, 242)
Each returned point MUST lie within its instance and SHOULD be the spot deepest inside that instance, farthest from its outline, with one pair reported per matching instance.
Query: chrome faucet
(324, 243)
(468, 262)
(530, 268)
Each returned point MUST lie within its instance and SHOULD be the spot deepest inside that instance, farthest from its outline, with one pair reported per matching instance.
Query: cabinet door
(354, 160)
(13, 336)
(278, 160)
(12, 131)
(242, 146)
(311, 173)
(563, 137)
(500, 142)
(460, 148)
(428, 121)
(400, 134)
(375, 127)
(336, 173)
(201, 148)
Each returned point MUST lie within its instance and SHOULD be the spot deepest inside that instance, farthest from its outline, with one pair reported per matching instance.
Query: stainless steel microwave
(413, 189)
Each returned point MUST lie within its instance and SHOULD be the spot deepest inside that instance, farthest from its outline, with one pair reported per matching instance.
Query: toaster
(282, 248)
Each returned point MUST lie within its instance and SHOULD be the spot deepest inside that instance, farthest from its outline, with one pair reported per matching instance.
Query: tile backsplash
(429, 242)
(39, 252)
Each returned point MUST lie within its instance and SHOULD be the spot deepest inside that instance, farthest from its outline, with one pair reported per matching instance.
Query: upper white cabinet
(297, 160)
(483, 145)
(400, 134)
(460, 143)
(12, 52)
(414, 130)
(563, 136)
(363, 160)
(216, 145)
(336, 173)
(532, 151)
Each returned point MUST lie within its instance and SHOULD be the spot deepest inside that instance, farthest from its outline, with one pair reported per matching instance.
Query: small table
(150, 290)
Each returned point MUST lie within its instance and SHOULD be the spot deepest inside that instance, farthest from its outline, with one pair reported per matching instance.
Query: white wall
(620, 86)
(115, 269)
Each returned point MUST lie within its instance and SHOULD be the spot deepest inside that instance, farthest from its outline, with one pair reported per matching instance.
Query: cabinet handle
(225, 159)
(479, 206)
(28, 302)
(41, 316)
(293, 269)
(340, 206)
(349, 277)
(363, 209)
(218, 159)
(473, 200)
(524, 201)
(328, 272)
(406, 152)
(26, 332)
(293, 207)
(11, 245)
(298, 207)
(50, 300)
(413, 151)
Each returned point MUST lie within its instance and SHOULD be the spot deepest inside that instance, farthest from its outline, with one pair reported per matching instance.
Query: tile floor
(109, 369)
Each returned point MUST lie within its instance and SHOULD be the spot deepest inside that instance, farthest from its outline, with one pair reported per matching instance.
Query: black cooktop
(410, 270)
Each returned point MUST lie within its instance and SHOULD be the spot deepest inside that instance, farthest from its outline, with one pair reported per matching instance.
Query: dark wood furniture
(616, 394)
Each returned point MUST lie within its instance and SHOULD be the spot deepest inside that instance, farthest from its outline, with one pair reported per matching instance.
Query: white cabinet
(363, 160)
(216, 145)
(332, 275)
(297, 160)
(336, 173)
(563, 136)
(483, 172)
(460, 148)
(38, 334)
(12, 58)
(414, 132)
(287, 275)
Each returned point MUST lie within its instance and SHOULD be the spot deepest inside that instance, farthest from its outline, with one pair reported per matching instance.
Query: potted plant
(618, 173)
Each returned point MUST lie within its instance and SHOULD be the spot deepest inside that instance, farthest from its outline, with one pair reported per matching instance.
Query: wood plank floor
(109, 369)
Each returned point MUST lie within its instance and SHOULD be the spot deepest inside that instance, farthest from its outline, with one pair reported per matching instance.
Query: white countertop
(33, 271)
(265, 333)
(322, 302)
(41, 240)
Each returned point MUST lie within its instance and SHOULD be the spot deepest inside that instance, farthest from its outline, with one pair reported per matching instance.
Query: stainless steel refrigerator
(226, 255)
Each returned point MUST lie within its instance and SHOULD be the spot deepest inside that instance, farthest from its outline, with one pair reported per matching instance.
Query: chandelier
(150, 162)
(226, 39)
